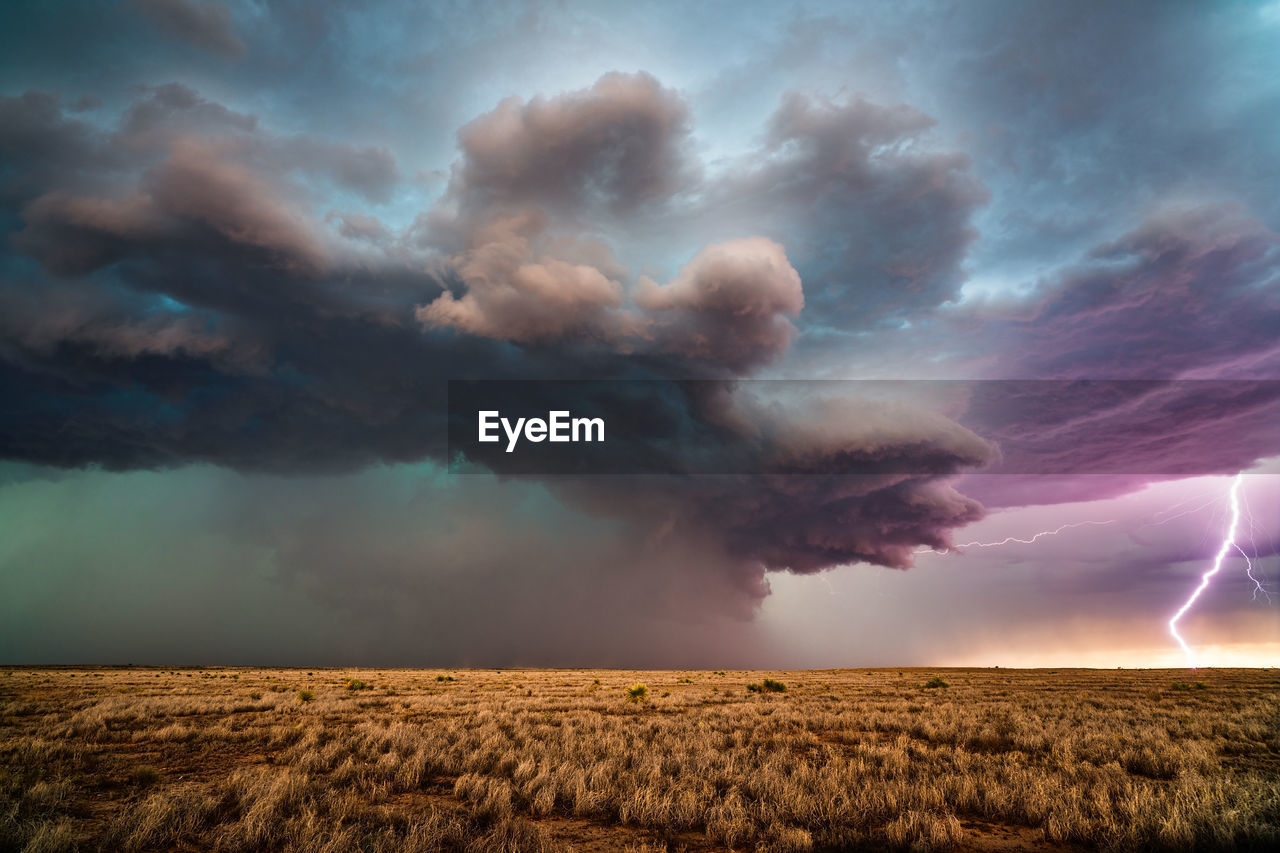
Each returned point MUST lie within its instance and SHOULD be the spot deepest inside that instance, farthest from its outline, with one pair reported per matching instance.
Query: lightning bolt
(1184, 513)
(1228, 543)
(1248, 562)
(1237, 499)
(1009, 540)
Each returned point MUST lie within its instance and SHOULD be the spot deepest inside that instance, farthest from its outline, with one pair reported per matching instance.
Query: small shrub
(255, 695)
(356, 684)
(637, 693)
(305, 695)
(936, 681)
(444, 678)
(1182, 685)
(769, 686)
(144, 777)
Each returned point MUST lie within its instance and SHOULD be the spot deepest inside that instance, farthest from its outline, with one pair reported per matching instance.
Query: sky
(247, 245)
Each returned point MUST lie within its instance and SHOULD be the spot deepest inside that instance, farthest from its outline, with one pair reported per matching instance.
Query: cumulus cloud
(607, 150)
(526, 199)
(517, 289)
(875, 218)
(535, 186)
(198, 185)
(729, 305)
(727, 310)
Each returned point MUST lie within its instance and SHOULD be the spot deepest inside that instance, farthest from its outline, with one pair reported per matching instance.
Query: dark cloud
(1190, 292)
(876, 220)
(785, 477)
(207, 25)
(43, 149)
(799, 524)
(1147, 427)
(198, 190)
(172, 112)
(1185, 312)
(211, 318)
(113, 326)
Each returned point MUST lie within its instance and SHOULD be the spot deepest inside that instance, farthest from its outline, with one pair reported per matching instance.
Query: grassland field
(236, 759)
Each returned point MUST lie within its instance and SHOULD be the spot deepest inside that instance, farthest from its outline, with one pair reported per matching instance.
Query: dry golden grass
(520, 760)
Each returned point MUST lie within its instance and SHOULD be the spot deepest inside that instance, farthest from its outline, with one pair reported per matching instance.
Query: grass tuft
(767, 686)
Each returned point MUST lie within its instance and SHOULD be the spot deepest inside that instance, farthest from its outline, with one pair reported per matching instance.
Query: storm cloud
(247, 247)
(209, 313)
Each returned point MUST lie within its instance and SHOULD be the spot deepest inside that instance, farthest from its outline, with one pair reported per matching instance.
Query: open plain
(541, 760)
